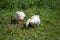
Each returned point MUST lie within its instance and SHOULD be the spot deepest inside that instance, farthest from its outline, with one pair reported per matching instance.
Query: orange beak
(20, 22)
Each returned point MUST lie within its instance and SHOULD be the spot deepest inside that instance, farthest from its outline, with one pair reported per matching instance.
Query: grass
(49, 29)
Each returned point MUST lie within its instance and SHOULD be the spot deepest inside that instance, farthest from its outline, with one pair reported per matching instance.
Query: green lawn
(49, 29)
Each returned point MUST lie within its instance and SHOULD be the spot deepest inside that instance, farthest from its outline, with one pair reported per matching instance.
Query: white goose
(19, 17)
(34, 20)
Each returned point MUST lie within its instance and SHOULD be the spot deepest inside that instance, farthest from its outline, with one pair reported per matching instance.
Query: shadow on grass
(0, 22)
(29, 26)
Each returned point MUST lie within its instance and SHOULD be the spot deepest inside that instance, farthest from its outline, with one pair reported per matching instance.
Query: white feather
(20, 15)
(34, 20)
